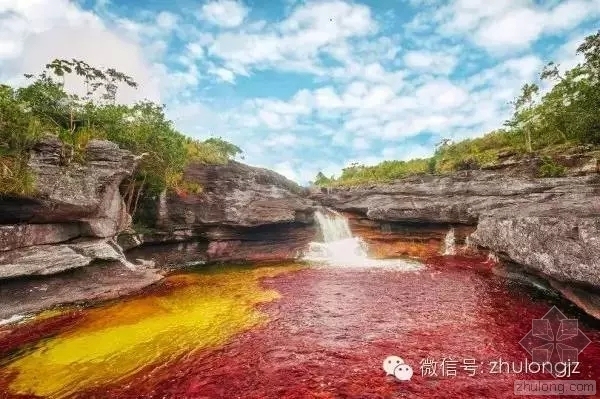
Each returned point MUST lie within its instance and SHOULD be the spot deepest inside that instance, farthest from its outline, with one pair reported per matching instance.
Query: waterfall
(334, 226)
(340, 248)
(449, 248)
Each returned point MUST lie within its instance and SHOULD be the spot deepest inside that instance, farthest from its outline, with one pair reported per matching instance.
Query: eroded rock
(234, 195)
(72, 192)
(50, 259)
(551, 226)
(242, 213)
(98, 282)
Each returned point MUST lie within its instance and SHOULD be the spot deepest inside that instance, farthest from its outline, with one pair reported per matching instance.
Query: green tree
(45, 107)
(321, 179)
(525, 117)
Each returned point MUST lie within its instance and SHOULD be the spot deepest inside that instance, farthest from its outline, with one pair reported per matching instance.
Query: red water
(332, 328)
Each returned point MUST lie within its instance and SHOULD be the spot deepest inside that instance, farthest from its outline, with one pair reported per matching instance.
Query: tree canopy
(44, 107)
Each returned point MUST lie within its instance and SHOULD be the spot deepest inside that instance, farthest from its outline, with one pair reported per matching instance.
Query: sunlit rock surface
(551, 226)
(69, 192)
(73, 200)
(242, 213)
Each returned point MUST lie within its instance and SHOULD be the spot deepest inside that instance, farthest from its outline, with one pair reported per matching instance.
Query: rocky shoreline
(70, 236)
(550, 226)
(66, 244)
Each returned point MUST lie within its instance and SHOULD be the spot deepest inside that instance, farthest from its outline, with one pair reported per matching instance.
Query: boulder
(50, 259)
(100, 282)
(234, 195)
(564, 247)
(27, 235)
(243, 213)
(76, 210)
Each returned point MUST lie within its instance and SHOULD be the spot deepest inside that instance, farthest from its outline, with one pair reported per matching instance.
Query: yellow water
(116, 340)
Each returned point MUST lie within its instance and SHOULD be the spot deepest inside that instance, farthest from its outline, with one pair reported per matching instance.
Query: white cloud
(224, 74)
(430, 61)
(368, 94)
(566, 55)
(360, 143)
(296, 42)
(35, 33)
(286, 169)
(515, 29)
(441, 94)
(224, 13)
(195, 50)
(166, 20)
(502, 26)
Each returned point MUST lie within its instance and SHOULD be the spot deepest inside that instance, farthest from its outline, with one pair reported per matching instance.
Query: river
(308, 330)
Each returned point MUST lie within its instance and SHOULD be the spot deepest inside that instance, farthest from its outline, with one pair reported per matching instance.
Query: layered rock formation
(389, 239)
(72, 201)
(550, 226)
(69, 223)
(243, 213)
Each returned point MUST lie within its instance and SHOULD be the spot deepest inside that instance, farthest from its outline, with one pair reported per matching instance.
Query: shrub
(549, 168)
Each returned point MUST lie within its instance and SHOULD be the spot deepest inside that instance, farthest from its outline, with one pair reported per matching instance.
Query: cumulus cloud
(296, 42)
(34, 33)
(321, 85)
(430, 61)
(504, 26)
(224, 13)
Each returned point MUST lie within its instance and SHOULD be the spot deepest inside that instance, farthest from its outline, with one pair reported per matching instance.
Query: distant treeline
(566, 116)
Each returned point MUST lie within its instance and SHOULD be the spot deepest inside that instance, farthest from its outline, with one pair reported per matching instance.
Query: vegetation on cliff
(565, 116)
(44, 106)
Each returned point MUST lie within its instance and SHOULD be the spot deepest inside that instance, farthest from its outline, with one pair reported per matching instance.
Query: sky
(308, 86)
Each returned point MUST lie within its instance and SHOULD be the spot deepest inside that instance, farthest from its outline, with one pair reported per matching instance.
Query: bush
(44, 107)
(549, 168)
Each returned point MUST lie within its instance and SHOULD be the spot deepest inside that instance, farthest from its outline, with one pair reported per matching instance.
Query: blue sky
(304, 86)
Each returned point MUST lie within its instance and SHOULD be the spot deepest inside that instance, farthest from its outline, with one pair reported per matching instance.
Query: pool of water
(288, 331)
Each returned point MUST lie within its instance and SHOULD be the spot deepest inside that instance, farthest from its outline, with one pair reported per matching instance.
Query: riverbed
(289, 331)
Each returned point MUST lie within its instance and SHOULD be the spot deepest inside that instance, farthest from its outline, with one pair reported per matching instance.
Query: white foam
(339, 248)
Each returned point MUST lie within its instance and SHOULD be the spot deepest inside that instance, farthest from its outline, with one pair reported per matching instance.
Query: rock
(84, 284)
(235, 195)
(564, 247)
(26, 235)
(85, 193)
(459, 198)
(50, 259)
(40, 260)
(129, 239)
(586, 300)
(591, 166)
(243, 213)
(171, 255)
(72, 201)
(549, 226)
(401, 239)
(281, 242)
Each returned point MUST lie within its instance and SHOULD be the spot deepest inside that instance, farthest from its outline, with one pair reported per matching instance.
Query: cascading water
(340, 248)
(334, 227)
(449, 245)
